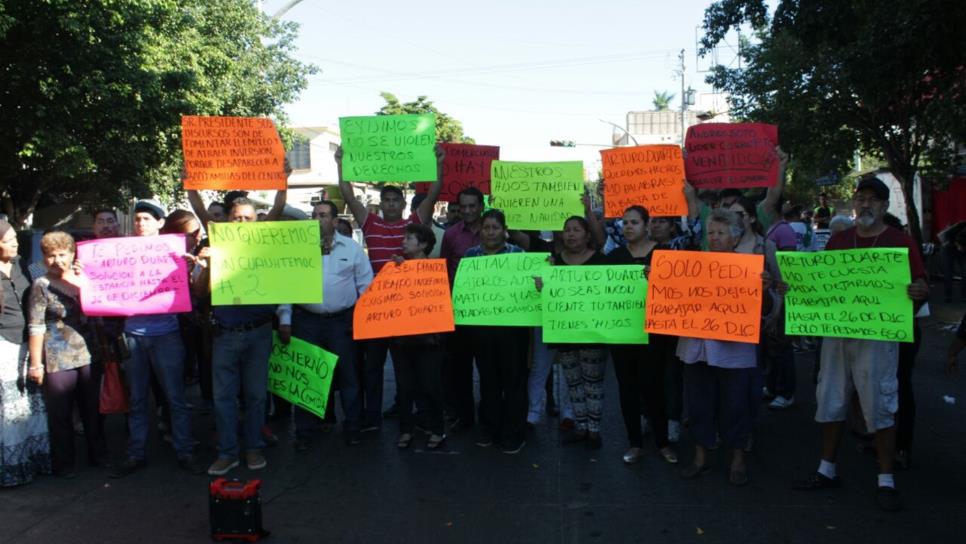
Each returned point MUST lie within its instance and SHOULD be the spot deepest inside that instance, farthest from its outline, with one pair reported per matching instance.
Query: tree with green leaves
(662, 100)
(881, 77)
(448, 130)
(93, 92)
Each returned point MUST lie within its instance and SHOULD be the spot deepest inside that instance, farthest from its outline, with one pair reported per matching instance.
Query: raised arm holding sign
(389, 148)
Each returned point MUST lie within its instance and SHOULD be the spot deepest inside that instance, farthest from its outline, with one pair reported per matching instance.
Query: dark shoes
(352, 438)
(888, 499)
(302, 444)
(693, 471)
(190, 464)
(127, 467)
(593, 441)
(818, 480)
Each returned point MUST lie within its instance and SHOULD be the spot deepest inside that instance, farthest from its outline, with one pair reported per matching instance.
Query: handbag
(113, 398)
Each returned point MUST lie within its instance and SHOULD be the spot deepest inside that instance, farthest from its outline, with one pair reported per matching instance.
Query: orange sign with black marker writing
(411, 298)
(224, 153)
(704, 294)
(651, 176)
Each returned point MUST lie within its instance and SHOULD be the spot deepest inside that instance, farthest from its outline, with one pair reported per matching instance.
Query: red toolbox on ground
(235, 510)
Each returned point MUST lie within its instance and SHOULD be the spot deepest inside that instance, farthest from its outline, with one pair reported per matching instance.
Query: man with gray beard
(866, 366)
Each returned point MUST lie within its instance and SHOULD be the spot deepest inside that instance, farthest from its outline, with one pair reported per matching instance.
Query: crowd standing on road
(52, 354)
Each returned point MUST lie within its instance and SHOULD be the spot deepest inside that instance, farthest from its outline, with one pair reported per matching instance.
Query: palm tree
(662, 100)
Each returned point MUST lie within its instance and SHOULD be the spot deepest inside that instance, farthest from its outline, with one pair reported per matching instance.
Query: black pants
(906, 414)
(458, 375)
(640, 375)
(62, 390)
(501, 356)
(419, 381)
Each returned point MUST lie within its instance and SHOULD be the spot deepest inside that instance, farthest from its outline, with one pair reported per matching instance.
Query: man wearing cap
(154, 343)
(866, 366)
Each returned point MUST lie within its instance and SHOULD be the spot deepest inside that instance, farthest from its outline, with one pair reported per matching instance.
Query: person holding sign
(154, 343)
(640, 367)
(241, 346)
(867, 367)
(59, 341)
(721, 381)
(500, 357)
(384, 239)
(346, 273)
(215, 212)
(418, 362)
(458, 370)
(583, 365)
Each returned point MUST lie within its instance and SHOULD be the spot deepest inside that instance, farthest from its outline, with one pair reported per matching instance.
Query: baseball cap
(876, 185)
(152, 207)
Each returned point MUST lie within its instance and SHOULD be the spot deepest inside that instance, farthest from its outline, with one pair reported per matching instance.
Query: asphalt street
(547, 493)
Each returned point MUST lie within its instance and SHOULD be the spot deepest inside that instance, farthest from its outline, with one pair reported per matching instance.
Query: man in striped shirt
(384, 238)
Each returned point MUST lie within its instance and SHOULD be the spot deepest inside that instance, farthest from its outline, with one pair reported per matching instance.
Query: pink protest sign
(731, 155)
(134, 276)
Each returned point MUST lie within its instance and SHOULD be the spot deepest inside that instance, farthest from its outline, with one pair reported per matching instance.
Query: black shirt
(16, 289)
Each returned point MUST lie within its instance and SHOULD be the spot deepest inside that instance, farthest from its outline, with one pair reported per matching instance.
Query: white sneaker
(781, 403)
(673, 431)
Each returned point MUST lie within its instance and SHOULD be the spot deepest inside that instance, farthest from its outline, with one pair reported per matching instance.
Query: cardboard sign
(225, 153)
(498, 290)
(268, 262)
(301, 373)
(594, 304)
(649, 175)
(464, 165)
(138, 275)
(411, 298)
(537, 195)
(704, 294)
(853, 293)
(389, 148)
(731, 155)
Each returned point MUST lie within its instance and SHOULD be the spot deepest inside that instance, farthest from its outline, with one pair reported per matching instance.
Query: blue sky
(517, 74)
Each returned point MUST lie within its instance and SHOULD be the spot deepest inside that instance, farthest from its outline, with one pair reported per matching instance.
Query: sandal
(694, 471)
(738, 477)
(435, 441)
(404, 440)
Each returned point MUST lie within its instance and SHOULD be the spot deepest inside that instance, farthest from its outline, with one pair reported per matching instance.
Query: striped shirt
(383, 239)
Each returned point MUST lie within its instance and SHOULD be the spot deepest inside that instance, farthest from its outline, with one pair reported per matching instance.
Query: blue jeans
(333, 334)
(165, 354)
(239, 362)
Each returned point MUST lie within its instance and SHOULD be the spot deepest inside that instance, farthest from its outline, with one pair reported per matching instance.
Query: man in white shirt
(346, 273)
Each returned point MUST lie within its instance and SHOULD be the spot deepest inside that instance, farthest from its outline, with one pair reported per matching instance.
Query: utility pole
(684, 98)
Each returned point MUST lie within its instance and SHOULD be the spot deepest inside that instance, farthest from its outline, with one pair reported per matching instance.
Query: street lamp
(624, 130)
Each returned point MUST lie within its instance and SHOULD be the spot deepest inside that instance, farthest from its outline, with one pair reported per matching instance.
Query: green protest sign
(594, 304)
(498, 290)
(390, 148)
(537, 195)
(301, 373)
(853, 293)
(268, 262)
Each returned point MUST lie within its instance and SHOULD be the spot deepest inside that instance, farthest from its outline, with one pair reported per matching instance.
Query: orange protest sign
(224, 153)
(704, 294)
(648, 175)
(412, 298)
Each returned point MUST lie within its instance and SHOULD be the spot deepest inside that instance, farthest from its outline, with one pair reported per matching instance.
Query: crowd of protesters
(53, 355)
